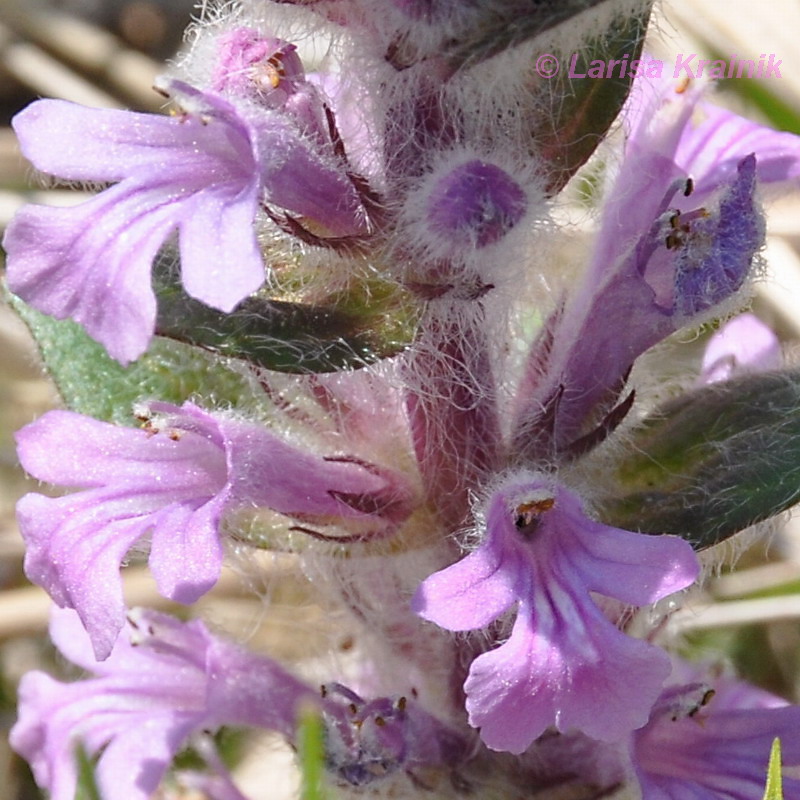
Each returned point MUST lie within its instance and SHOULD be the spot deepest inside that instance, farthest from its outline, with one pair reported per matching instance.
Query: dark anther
(528, 515)
(673, 241)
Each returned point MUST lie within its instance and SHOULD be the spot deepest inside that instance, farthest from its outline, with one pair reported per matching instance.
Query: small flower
(376, 738)
(197, 172)
(712, 740)
(205, 172)
(164, 681)
(172, 482)
(263, 67)
(636, 293)
(565, 664)
(679, 233)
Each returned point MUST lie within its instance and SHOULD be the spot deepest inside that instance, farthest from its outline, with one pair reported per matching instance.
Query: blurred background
(106, 53)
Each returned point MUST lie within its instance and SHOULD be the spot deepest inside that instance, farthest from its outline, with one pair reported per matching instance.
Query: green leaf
(311, 750)
(582, 109)
(506, 24)
(774, 787)
(90, 382)
(351, 329)
(713, 462)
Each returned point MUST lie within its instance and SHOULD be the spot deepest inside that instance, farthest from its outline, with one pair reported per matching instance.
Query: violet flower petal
(542, 550)
(715, 746)
(710, 150)
(121, 142)
(567, 666)
(171, 680)
(197, 172)
(468, 594)
(742, 345)
(107, 288)
(704, 140)
(176, 481)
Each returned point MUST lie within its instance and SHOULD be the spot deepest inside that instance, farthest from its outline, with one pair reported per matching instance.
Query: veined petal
(743, 345)
(468, 594)
(74, 550)
(632, 568)
(710, 148)
(164, 677)
(91, 262)
(566, 664)
(80, 143)
(712, 740)
(174, 480)
(220, 261)
(100, 452)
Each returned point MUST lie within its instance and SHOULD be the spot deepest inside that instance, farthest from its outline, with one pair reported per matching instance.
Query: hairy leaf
(352, 330)
(583, 108)
(713, 462)
(90, 382)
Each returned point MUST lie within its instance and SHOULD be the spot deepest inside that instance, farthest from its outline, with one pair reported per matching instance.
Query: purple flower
(204, 172)
(269, 72)
(379, 737)
(164, 681)
(660, 259)
(565, 664)
(701, 139)
(668, 149)
(173, 482)
(263, 67)
(167, 680)
(707, 741)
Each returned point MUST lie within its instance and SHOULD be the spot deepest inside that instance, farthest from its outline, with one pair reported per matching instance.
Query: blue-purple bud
(476, 204)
